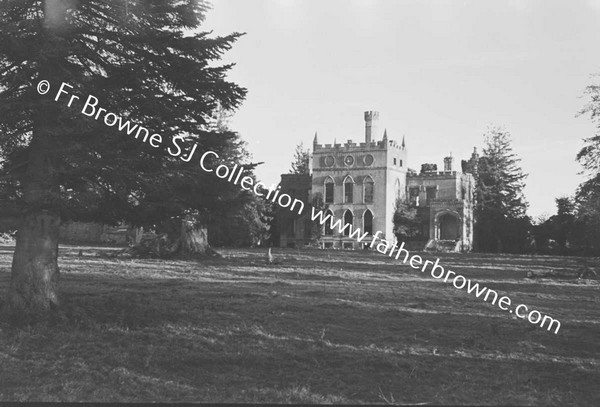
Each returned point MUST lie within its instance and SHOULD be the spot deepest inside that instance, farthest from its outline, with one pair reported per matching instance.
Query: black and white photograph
(376, 202)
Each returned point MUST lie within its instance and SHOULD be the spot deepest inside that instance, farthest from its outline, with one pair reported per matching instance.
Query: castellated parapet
(350, 145)
(360, 183)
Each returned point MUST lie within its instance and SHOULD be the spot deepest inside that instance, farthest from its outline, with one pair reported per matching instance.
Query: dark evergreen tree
(243, 220)
(244, 223)
(301, 161)
(138, 60)
(499, 196)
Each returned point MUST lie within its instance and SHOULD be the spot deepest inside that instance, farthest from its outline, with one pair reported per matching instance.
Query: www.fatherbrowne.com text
(92, 109)
(438, 272)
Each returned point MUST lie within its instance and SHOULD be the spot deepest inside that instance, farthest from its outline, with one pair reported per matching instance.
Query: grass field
(322, 327)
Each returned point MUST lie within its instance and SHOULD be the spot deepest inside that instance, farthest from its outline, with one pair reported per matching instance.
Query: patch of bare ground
(320, 327)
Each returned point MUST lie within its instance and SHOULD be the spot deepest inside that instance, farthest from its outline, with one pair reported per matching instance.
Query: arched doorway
(449, 227)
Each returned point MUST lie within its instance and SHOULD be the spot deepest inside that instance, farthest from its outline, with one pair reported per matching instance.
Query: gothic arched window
(369, 189)
(329, 188)
(348, 189)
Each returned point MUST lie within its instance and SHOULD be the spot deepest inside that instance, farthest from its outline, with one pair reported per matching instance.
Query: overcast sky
(439, 72)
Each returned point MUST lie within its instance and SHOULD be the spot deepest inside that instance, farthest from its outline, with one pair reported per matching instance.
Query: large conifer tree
(500, 210)
(139, 60)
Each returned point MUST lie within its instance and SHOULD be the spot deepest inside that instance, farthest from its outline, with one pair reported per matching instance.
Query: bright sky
(437, 71)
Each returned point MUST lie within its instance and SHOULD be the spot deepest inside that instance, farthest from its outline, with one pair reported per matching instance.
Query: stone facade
(360, 183)
(447, 199)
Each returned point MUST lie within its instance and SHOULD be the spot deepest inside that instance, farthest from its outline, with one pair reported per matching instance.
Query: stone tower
(360, 182)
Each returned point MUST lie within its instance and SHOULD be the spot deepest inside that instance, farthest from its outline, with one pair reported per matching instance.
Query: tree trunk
(188, 238)
(193, 239)
(181, 238)
(33, 287)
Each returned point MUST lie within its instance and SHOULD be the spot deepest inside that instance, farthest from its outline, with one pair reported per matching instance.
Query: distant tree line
(575, 228)
(501, 221)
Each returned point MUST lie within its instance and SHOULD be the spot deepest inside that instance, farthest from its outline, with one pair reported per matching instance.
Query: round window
(329, 161)
(349, 160)
(368, 159)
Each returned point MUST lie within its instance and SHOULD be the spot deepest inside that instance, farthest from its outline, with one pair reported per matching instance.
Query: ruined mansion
(360, 184)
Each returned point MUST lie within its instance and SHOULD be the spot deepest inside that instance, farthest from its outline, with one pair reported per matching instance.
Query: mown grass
(321, 327)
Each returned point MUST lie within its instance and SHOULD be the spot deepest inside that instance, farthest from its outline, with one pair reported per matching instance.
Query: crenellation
(435, 174)
(360, 182)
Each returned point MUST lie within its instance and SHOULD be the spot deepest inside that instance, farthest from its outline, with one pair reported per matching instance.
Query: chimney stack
(371, 119)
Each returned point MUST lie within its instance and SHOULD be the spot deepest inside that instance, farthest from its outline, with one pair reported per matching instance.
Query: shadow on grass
(149, 330)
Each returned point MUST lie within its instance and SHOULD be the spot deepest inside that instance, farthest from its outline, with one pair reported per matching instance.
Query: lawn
(321, 327)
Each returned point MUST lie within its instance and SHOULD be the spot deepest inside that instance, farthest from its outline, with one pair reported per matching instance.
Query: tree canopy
(587, 222)
(301, 161)
(129, 55)
(144, 61)
(501, 207)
